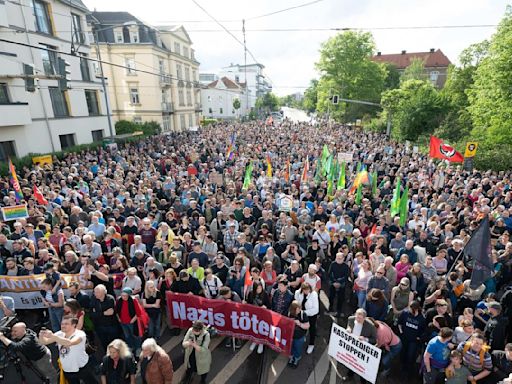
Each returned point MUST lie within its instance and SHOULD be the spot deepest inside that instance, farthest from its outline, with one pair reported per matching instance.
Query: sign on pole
(471, 148)
(357, 355)
(14, 212)
(286, 203)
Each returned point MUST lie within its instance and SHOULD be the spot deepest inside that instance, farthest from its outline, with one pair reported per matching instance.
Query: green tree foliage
(416, 109)
(311, 96)
(491, 95)
(236, 104)
(415, 71)
(268, 102)
(392, 80)
(347, 70)
(148, 128)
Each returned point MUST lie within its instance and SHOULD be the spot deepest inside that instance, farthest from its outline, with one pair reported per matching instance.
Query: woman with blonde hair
(118, 366)
(151, 302)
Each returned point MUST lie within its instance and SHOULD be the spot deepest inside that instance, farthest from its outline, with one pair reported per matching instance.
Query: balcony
(165, 80)
(167, 108)
(14, 114)
(198, 107)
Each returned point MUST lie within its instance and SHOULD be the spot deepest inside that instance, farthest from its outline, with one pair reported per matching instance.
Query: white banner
(345, 156)
(25, 290)
(285, 204)
(357, 355)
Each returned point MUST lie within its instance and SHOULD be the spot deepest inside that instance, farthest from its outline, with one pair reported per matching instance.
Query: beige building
(154, 76)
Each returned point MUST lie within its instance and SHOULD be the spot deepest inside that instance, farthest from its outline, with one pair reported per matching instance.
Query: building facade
(218, 99)
(49, 97)
(257, 83)
(154, 76)
(436, 63)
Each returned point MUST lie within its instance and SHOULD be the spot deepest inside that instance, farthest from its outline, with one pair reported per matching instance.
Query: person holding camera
(198, 357)
(74, 359)
(25, 344)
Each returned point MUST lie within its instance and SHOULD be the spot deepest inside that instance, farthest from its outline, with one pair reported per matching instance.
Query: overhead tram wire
(285, 10)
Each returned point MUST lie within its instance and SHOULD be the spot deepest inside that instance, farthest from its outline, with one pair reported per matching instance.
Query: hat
(495, 305)
(127, 290)
(313, 266)
(404, 281)
(48, 266)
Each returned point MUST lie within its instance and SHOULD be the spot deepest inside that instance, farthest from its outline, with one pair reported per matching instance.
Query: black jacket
(29, 346)
(496, 332)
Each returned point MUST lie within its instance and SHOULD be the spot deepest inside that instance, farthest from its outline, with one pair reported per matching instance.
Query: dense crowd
(169, 213)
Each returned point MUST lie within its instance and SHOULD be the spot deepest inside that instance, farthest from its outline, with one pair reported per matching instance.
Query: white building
(207, 78)
(47, 115)
(218, 97)
(257, 83)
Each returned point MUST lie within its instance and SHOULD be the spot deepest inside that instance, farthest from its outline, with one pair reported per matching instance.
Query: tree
(415, 71)
(392, 80)
(416, 109)
(491, 95)
(311, 96)
(236, 105)
(268, 102)
(347, 70)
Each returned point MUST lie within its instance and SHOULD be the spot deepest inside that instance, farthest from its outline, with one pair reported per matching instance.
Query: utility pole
(245, 69)
(103, 84)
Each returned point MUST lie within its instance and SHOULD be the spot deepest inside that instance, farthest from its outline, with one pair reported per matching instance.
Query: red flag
(39, 196)
(440, 150)
(369, 237)
(304, 177)
(247, 281)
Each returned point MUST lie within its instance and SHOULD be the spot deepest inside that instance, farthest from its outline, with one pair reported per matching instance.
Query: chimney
(378, 53)
(432, 50)
(404, 52)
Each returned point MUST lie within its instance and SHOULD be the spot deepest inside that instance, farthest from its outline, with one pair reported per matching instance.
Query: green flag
(332, 170)
(341, 179)
(326, 170)
(404, 206)
(318, 171)
(329, 187)
(395, 201)
(325, 153)
(359, 194)
(248, 176)
(374, 183)
(359, 167)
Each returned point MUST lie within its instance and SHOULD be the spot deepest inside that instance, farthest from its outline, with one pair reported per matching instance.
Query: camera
(6, 324)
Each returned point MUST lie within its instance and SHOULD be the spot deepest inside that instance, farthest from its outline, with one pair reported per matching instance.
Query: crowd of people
(172, 213)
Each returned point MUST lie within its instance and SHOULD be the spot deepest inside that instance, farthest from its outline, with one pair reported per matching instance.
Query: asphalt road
(295, 115)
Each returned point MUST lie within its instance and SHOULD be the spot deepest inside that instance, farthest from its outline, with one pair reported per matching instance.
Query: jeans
(361, 298)
(388, 356)
(56, 317)
(297, 346)
(106, 333)
(129, 336)
(339, 295)
(154, 325)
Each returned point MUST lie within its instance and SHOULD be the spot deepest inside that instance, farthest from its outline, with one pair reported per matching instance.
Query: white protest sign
(345, 156)
(286, 203)
(357, 355)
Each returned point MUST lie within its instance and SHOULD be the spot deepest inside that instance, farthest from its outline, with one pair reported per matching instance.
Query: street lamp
(98, 56)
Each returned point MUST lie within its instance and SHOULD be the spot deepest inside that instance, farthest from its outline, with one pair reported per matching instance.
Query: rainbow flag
(304, 177)
(287, 171)
(230, 152)
(14, 212)
(269, 166)
(361, 178)
(15, 183)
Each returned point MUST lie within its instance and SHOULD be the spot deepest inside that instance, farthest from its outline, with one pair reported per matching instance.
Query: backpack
(467, 346)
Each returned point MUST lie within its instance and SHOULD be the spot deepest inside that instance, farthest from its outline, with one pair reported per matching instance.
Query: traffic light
(30, 82)
(65, 74)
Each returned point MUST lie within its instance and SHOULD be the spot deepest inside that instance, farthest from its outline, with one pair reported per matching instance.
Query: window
(187, 73)
(166, 123)
(209, 98)
(182, 122)
(161, 66)
(433, 76)
(97, 135)
(84, 68)
(134, 95)
(221, 111)
(4, 95)
(192, 54)
(90, 37)
(190, 120)
(137, 120)
(237, 79)
(130, 64)
(49, 60)
(210, 110)
(177, 48)
(181, 97)
(58, 97)
(185, 52)
(91, 96)
(7, 150)
(189, 97)
(134, 36)
(118, 36)
(76, 26)
(67, 141)
(179, 71)
(43, 23)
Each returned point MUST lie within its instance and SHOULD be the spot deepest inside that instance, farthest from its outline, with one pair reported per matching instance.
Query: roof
(76, 3)
(403, 60)
(228, 83)
(114, 18)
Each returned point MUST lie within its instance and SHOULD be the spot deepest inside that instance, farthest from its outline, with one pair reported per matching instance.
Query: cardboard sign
(357, 355)
(471, 148)
(42, 160)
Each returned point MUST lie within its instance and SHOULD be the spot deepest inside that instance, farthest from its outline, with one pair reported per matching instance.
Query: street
(295, 115)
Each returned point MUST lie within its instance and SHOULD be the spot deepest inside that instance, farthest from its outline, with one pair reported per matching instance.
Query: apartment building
(155, 76)
(49, 97)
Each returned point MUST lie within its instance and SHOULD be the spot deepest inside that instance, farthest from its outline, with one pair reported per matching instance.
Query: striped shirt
(471, 359)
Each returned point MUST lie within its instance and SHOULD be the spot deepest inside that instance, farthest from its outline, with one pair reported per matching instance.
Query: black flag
(478, 249)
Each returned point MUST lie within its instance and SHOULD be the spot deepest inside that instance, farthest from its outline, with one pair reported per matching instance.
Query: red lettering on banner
(244, 321)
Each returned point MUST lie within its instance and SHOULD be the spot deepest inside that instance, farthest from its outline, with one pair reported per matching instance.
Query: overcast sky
(289, 57)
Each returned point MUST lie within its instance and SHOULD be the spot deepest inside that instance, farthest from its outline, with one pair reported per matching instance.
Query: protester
(118, 365)
(155, 364)
(310, 303)
(299, 334)
(197, 355)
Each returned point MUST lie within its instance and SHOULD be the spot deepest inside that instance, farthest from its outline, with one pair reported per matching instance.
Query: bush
(207, 121)
(126, 127)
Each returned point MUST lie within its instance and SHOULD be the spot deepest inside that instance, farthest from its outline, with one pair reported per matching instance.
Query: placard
(14, 212)
(357, 355)
(345, 156)
(42, 160)
(471, 148)
(286, 203)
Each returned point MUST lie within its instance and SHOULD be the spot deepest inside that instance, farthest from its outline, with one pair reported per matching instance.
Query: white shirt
(357, 329)
(74, 357)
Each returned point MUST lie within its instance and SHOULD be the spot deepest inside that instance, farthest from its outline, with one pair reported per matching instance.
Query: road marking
(334, 371)
(320, 370)
(324, 300)
(180, 372)
(173, 342)
(233, 365)
(276, 368)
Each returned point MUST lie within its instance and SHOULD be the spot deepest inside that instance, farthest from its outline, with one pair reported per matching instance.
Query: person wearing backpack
(198, 357)
(211, 284)
(476, 357)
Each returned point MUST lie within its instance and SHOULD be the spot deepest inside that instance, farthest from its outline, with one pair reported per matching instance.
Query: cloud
(289, 57)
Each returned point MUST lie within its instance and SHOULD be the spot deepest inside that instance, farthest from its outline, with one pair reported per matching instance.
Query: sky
(289, 57)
